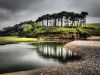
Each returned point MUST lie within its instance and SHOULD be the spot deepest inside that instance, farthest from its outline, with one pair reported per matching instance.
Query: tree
(39, 20)
(47, 17)
(77, 18)
(72, 18)
(54, 17)
(67, 18)
(61, 15)
(84, 14)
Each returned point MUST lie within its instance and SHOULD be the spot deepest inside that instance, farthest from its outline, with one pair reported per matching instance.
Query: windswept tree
(8, 31)
(84, 14)
(71, 18)
(54, 18)
(42, 18)
(77, 19)
(47, 17)
(39, 20)
(65, 18)
(61, 16)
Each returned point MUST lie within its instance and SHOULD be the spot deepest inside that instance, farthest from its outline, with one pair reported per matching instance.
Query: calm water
(27, 56)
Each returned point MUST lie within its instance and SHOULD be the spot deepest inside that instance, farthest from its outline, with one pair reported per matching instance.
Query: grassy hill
(31, 30)
(94, 25)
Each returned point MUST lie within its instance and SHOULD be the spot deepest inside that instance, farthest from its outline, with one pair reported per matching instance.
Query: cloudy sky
(15, 11)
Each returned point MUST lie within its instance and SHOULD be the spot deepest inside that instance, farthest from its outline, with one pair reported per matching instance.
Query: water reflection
(27, 56)
(56, 52)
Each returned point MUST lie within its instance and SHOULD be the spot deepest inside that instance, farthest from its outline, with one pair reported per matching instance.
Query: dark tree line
(68, 19)
(15, 30)
(63, 19)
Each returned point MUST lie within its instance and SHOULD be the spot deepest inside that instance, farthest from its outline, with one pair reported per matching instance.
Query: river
(26, 56)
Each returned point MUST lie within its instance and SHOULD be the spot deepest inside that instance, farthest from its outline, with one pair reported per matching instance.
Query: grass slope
(95, 25)
(17, 39)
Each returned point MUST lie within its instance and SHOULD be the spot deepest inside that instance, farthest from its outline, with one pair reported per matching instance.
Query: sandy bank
(81, 43)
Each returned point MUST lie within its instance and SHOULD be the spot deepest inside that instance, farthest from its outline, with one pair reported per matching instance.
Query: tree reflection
(56, 52)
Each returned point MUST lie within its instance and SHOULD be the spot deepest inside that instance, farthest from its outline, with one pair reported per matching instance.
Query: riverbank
(14, 39)
(88, 65)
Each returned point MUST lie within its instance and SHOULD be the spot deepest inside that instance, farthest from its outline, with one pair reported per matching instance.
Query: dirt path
(89, 65)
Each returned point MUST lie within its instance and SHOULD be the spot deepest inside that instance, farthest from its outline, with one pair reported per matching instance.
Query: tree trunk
(61, 22)
(55, 22)
(47, 22)
(67, 22)
(42, 23)
(77, 23)
(85, 21)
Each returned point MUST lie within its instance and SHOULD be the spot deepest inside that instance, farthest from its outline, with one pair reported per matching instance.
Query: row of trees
(16, 29)
(63, 19)
(68, 19)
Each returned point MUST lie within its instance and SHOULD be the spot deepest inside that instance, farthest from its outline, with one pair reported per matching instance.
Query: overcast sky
(15, 11)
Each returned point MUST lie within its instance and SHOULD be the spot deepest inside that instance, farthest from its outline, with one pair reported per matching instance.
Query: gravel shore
(88, 65)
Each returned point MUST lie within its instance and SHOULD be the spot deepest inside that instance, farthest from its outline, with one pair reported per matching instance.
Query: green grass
(97, 25)
(59, 29)
(9, 39)
(88, 29)
(67, 30)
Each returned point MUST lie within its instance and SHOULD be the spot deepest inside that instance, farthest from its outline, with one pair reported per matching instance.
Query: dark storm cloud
(15, 5)
(16, 11)
(12, 9)
(92, 6)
